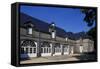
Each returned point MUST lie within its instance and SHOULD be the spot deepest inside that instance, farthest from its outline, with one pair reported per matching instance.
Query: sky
(69, 19)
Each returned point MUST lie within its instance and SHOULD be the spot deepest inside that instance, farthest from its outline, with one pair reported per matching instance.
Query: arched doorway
(66, 49)
(57, 49)
(45, 49)
(28, 49)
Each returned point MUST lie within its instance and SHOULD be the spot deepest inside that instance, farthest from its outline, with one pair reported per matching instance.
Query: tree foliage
(90, 16)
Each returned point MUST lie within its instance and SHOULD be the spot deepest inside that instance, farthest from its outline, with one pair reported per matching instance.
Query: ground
(74, 57)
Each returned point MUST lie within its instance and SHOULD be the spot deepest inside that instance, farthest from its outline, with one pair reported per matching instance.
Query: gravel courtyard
(75, 57)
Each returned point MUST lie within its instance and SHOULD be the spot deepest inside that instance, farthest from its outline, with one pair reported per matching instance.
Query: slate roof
(44, 27)
(40, 25)
(76, 36)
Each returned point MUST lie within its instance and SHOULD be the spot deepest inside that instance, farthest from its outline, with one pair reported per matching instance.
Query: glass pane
(26, 50)
(44, 50)
(30, 50)
(22, 50)
(34, 50)
(41, 50)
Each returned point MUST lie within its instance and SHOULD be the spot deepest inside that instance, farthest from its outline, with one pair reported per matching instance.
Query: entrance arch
(28, 49)
(45, 49)
(57, 49)
(66, 49)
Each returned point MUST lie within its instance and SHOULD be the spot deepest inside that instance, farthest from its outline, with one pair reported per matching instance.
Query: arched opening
(45, 49)
(66, 49)
(28, 48)
(57, 49)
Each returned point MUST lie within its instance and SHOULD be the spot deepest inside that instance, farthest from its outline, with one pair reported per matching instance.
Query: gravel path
(49, 59)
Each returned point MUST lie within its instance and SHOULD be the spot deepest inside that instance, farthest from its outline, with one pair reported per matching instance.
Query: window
(30, 50)
(53, 34)
(47, 50)
(66, 39)
(41, 50)
(81, 49)
(29, 30)
(34, 50)
(26, 50)
(22, 50)
(44, 50)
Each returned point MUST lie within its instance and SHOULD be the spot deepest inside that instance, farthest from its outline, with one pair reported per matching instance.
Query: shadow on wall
(91, 56)
(24, 55)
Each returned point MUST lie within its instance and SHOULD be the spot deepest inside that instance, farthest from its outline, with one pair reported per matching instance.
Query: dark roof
(40, 25)
(44, 27)
(76, 36)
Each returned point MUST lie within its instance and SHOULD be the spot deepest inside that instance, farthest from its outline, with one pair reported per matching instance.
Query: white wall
(5, 21)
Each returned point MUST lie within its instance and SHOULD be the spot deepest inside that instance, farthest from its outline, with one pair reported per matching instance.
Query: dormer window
(52, 30)
(29, 26)
(66, 39)
(53, 34)
(30, 31)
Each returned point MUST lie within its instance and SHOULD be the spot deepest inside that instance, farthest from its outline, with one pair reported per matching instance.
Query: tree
(90, 16)
(90, 19)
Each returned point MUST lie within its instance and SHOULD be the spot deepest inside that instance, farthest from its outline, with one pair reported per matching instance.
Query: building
(38, 38)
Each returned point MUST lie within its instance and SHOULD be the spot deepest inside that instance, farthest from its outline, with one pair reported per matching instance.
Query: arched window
(45, 44)
(28, 46)
(57, 48)
(45, 47)
(28, 43)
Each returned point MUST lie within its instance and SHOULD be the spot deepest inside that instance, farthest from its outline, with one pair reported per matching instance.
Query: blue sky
(69, 19)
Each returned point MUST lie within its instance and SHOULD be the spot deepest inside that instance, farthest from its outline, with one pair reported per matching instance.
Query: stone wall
(87, 45)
